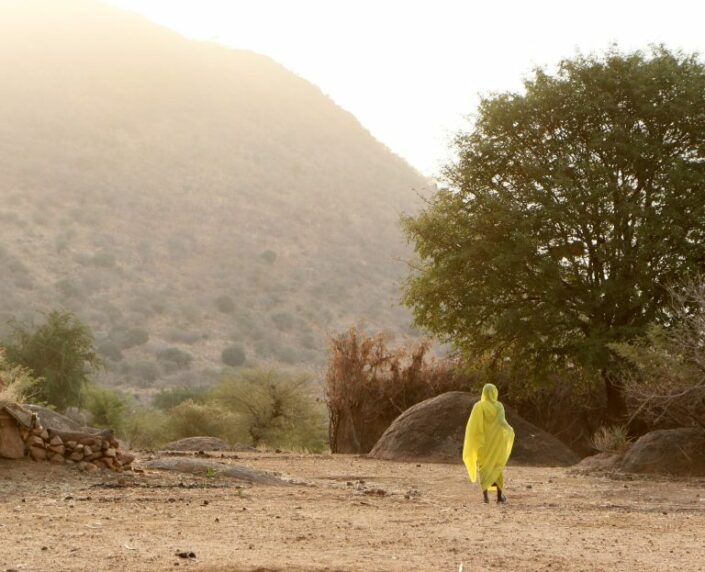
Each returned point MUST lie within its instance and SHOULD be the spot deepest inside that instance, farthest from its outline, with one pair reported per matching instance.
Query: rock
(206, 467)
(56, 459)
(110, 452)
(600, 462)
(197, 444)
(59, 449)
(38, 453)
(12, 445)
(76, 456)
(56, 441)
(671, 451)
(90, 468)
(50, 419)
(35, 441)
(87, 451)
(434, 430)
(108, 462)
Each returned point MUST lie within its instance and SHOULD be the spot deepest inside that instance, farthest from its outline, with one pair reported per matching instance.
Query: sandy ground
(429, 518)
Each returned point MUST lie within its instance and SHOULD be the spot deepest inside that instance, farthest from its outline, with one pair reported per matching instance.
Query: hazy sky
(411, 70)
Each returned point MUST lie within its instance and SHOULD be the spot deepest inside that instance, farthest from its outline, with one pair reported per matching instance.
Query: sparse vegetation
(59, 353)
(368, 385)
(233, 356)
(169, 398)
(276, 408)
(16, 382)
(611, 439)
(174, 359)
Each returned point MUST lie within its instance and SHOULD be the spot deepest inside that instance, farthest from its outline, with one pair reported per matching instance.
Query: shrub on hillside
(268, 256)
(174, 359)
(167, 399)
(225, 304)
(277, 408)
(284, 321)
(109, 349)
(103, 259)
(234, 356)
(145, 371)
(130, 337)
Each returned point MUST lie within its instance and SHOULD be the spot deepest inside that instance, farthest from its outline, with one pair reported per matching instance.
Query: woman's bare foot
(485, 497)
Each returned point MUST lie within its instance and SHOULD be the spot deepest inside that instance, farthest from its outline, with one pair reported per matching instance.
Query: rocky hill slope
(182, 197)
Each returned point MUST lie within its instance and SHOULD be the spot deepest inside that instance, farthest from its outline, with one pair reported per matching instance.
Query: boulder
(52, 420)
(197, 444)
(434, 430)
(11, 444)
(670, 451)
(214, 468)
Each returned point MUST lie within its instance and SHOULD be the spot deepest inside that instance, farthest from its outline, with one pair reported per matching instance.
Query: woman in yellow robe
(488, 443)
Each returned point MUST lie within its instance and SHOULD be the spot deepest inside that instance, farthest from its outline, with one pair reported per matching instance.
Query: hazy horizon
(411, 73)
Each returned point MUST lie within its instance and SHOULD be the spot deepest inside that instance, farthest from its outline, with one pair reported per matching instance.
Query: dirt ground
(349, 514)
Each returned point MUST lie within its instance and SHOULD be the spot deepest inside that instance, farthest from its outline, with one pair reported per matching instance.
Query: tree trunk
(616, 402)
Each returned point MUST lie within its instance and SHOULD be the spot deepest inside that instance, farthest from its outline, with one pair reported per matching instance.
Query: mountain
(182, 197)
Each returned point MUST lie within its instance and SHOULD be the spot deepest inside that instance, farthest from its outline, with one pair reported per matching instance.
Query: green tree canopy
(60, 352)
(570, 209)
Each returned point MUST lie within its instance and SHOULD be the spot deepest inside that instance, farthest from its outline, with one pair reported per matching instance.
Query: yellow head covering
(488, 439)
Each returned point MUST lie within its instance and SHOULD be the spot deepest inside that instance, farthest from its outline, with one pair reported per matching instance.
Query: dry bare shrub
(368, 385)
(613, 439)
(668, 382)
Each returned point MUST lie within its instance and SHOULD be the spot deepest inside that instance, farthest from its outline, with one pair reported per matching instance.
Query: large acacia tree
(571, 208)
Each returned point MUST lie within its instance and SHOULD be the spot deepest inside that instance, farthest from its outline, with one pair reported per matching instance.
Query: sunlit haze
(412, 71)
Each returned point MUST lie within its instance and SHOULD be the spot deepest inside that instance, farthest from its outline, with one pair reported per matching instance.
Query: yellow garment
(488, 440)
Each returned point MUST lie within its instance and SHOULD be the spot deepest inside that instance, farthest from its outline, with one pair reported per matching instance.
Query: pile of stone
(88, 451)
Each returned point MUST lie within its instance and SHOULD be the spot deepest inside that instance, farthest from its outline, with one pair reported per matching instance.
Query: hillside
(181, 195)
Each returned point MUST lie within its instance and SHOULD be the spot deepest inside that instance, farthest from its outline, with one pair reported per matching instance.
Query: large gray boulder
(50, 419)
(670, 451)
(434, 430)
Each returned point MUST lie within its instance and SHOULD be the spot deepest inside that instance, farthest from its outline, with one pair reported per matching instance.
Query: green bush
(107, 407)
(234, 356)
(191, 419)
(225, 304)
(60, 352)
(16, 382)
(169, 398)
(146, 428)
(276, 407)
(174, 359)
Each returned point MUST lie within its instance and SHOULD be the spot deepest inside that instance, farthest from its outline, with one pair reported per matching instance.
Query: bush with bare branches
(668, 384)
(368, 385)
